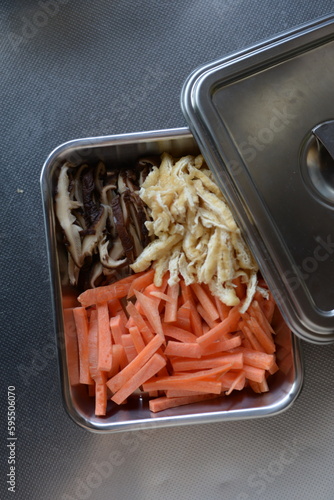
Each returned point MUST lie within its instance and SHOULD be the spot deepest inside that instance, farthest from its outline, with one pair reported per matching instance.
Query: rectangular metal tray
(285, 385)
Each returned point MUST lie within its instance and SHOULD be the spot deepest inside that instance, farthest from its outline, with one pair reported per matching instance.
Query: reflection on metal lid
(256, 117)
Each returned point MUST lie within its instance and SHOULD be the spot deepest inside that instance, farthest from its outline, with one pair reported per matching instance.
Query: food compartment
(125, 150)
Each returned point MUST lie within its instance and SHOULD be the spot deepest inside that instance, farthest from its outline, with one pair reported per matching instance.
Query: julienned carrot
(148, 370)
(104, 342)
(185, 355)
(261, 317)
(139, 322)
(222, 309)
(101, 397)
(267, 343)
(94, 371)
(255, 374)
(178, 333)
(130, 352)
(117, 353)
(106, 293)
(212, 374)
(178, 393)
(250, 340)
(163, 403)
(228, 325)
(206, 317)
(257, 359)
(171, 305)
(235, 360)
(81, 322)
(129, 371)
(183, 318)
(151, 312)
(233, 380)
(141, 282)
(195, 318)
(238, 383)
(222, 345)
(117, 328)
(204, 386)
(205, 301)
(71, 344)
(160, 295)
(185, 292)
(188, 349)
(137, 339)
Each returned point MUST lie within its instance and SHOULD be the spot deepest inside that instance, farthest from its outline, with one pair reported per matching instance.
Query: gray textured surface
(95, 68)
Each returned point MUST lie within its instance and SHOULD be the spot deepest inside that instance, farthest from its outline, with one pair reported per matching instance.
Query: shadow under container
(284, 385)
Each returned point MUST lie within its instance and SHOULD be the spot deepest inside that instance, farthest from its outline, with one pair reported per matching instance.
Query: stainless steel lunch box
(285, 385)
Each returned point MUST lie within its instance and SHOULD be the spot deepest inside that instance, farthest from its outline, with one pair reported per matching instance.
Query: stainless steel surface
(285, 385)
(252, 114)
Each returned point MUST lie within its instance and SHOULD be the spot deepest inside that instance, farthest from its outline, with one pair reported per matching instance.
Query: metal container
(264, 121)
(285, 385)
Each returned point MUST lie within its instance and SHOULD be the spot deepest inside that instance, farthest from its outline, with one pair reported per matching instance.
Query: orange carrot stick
(237, 384)
(184, 349)
(250, 337)
(104, 342)
(168, 383)
(163, 403)
(195, 318)
(207, 318)
(178, 333)
(222, 345)
(212, 375)
(130, 352)
(205, 301)
(101, 397)
(141, 282)
(148, 370)
(81, 322)
(106, 293)
(255, 374)
(139, 322)
(134, 366)
(257, 311)
(117, 329)
(267, 343)
(117, 353)
(171, 307)
(151, 312)
(71, 345)
(95, 373)
(184, 364)
(222, 309)
(257, 359)
(232, 379)
(228, 325)
(137, 339)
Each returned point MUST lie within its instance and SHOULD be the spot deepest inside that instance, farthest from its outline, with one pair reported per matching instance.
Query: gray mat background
(71, 69)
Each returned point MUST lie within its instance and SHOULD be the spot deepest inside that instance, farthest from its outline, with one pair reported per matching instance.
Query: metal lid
(263, 120)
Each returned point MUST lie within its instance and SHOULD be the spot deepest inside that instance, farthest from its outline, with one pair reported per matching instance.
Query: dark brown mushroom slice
(77, 183)
(131, 180)
(121, 182)
(145, 165)
(91, 241)
(99, 177)
(111, 258)
(63, 208)
(92, 211)
(140, 216)
(121, 228)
